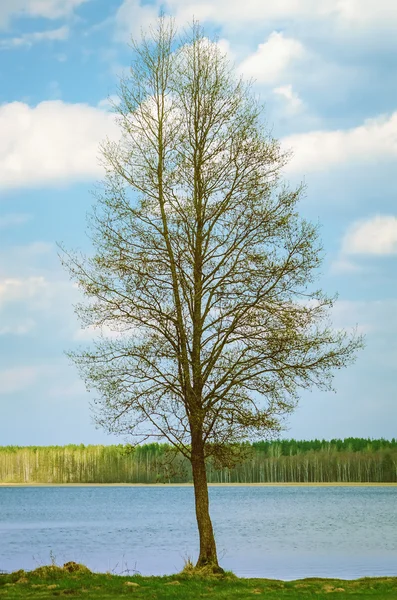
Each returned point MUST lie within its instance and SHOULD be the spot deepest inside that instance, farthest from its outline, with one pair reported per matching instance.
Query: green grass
(57, 582)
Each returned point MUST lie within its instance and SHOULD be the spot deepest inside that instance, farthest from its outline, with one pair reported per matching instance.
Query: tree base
(202, 569)
(212, 567)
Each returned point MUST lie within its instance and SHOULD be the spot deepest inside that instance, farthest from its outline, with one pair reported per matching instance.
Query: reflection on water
(276, 532)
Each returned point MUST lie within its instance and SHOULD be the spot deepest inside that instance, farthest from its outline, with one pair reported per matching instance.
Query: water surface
(277, 532)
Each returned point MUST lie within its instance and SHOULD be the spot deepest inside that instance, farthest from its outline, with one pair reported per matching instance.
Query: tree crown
(202, 266)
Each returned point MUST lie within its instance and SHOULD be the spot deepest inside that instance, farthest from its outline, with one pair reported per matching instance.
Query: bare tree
(202, 267)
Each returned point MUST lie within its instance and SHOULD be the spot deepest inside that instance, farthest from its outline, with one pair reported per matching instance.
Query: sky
(326, 73)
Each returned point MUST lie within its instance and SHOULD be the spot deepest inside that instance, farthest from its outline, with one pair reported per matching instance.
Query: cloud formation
(51, 143)
(371, 316)
(55, 142)
(13, 219)
(320, 150)
(30, 288)
(377, 236)
(27, 40)
(18, 327)
(272, 58)
(362, 13)
(47, 9)
(293, 104)
(17, 379)
(132, 16)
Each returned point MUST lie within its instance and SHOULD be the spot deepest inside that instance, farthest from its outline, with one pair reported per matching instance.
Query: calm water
(280, 532)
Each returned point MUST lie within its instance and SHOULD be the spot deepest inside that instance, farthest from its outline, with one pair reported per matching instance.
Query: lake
(276, 532)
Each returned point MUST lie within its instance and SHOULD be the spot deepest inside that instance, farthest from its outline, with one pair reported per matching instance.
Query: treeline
(348, 460)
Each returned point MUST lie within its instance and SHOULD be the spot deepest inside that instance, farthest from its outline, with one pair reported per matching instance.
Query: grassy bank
(50, 582)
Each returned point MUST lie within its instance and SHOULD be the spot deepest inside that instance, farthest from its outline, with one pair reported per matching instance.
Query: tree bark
(208, 555)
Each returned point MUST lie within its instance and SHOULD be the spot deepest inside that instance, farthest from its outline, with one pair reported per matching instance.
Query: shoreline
(45, 584)
(162, 485)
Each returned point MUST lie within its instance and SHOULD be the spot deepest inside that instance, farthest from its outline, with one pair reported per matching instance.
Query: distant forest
(348, 460)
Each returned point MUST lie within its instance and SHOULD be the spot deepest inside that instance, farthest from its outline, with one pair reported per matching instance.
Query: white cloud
(91, 332)
(226, 48)
(375, 316)
(361, 13)
(12, 290)
(108, 103)
(343, 265)
(21, 262)
(16, 327)
(132, 16)
(67, 390)
(349, 16)
(24, 297)
(235, 12)
(21, 255)
(293, 103)
(17, 379)
(28, 39)
(13, 219)
(377, 236)
(53, 142)
(272, 58)
(47, 9)
(251, 11)
(321, 150)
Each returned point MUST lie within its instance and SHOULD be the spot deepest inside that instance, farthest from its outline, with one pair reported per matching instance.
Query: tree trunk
(208, 556)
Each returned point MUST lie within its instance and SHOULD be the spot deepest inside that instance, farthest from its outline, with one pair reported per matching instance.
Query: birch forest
(348, 460)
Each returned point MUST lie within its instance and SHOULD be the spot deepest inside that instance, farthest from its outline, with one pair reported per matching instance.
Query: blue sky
(326, 72)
